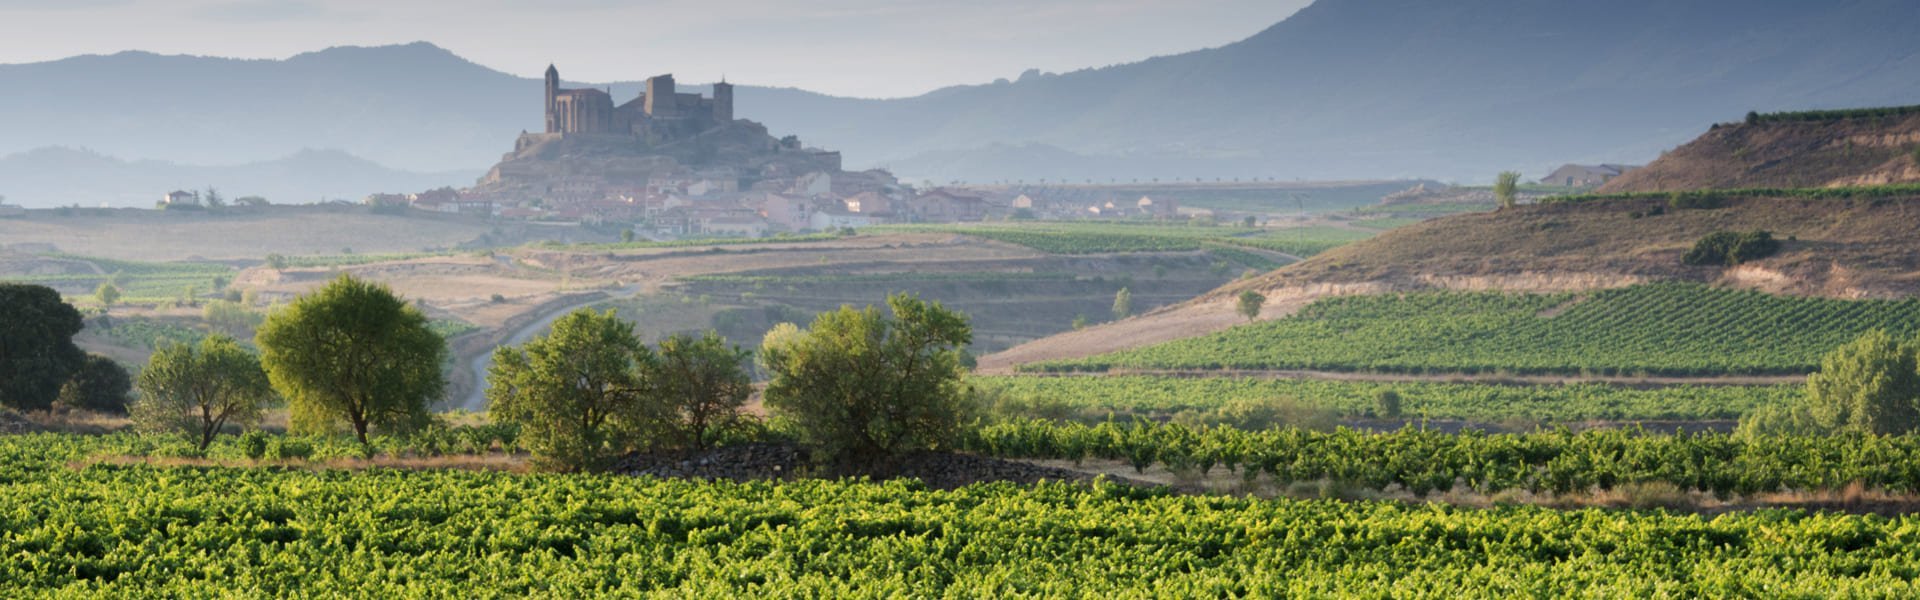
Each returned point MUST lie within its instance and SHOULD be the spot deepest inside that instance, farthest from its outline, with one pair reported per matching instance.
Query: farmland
(1113, 236)
(1155, 395)
(143, 530)
(1658, 329)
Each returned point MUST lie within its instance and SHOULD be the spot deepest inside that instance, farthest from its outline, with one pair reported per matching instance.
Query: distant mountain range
(63, 176)
(1342, 89)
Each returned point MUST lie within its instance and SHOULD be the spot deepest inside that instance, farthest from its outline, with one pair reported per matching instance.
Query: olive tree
(198, 390)
(37, 354)
(703, 382)
(1122, 304)
(577, 393)
(353, 352)
(862, 386)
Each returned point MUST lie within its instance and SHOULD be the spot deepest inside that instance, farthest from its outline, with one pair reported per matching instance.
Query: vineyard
(1153, 396)
(1674, 329)
(1423, 461)
(139, 282)
(154, 531)
(1118, 236)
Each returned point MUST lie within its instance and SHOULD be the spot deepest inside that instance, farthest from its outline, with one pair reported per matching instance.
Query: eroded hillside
(1790, 150)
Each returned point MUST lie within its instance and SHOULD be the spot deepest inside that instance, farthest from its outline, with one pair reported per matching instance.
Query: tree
(1250, 304)
(704, 382)
(1079, 322)
(1387, 404)
(626, 236)
(198, 390)
(353, 351)
(863, 387)
(276, 262)
(213, 199)
(107, 294)
(1506, 187)
(100, 386)
(1122, 304)
(577, 392)
(37, 354)
(1870, 385)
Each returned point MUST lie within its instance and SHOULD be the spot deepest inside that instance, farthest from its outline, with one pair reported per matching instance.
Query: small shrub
(1695, 201)
(1731, 248)
(289, 449)
(254, 444)
(1387, 404)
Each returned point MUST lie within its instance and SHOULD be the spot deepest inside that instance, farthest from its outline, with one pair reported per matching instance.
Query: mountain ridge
(1341, 89)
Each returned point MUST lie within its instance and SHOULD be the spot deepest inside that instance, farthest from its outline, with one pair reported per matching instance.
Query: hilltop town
(672, 163)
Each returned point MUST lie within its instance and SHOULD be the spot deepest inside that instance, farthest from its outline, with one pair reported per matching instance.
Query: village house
(180, 198)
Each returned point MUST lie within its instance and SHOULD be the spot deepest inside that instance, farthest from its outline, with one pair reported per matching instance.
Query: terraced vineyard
(1676, 329)
(1091, 237)
(1149, 395)
(148, 531)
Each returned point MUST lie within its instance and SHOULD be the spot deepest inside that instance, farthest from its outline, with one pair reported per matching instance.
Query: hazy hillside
(63, 177)
(1795, 150)
(1343, 89)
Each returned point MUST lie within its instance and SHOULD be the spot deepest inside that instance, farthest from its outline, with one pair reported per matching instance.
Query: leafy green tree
(1506, 188)
(100, 386)
(1079, 322)
(1251, 303)
(863, 387)
(37, 354)
(276, 262)
(198, 390)
(577, 392)
(626, 236)
(1870, 385)
(352, 351)
(704, 382)
(1122, 304)
(107, 294)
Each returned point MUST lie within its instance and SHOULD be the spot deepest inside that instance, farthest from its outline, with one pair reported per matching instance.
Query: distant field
(139, 282)
(1150, 395)
(163, 236)
(1091, 237)
(1658, 329)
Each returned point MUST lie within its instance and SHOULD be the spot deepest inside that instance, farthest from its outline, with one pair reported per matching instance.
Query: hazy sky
(874, 48)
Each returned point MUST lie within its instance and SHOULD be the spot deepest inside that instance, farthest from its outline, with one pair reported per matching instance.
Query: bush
(1695, 200)
(1387, 404)
(863, 387)
(1728, 248)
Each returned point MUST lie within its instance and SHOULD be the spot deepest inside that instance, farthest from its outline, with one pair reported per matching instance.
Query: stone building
(659, 110)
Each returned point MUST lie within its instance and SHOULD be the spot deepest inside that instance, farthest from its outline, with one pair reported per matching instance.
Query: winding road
(476, 400)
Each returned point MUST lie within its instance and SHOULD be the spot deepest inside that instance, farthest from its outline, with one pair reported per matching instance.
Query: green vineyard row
(1674, 329)
(149, 531)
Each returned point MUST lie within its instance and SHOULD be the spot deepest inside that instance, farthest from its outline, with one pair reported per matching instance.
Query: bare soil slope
(1787, 154)
(1859, 248)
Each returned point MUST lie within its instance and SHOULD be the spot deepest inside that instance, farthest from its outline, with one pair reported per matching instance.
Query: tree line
(857, 385)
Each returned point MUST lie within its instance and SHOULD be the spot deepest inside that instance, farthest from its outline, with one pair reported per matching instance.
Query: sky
(864, 48)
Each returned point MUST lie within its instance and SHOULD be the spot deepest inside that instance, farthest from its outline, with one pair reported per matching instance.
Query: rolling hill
(1835, 247)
